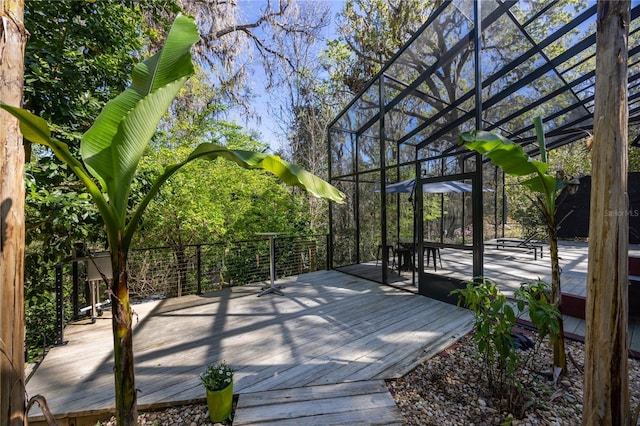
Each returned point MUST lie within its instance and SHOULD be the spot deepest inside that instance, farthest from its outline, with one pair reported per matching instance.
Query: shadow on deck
(328, 329)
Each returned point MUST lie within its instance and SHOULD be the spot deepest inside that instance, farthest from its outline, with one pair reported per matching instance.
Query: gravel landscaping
(449, 389)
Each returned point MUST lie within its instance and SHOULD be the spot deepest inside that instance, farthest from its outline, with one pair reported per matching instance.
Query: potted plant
(218, 381)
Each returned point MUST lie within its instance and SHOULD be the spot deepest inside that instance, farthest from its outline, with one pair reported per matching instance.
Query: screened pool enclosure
(394, 148)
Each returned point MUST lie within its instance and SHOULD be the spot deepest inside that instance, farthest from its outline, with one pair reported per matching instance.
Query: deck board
(366, 402)
(508, 268)
(328, 328)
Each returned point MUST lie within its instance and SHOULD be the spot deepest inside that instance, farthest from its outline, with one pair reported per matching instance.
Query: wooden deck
(508, 268)
(365, 402)
(329, 328)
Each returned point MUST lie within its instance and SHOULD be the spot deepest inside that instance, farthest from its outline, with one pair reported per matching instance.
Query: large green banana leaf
(113, 146)
(287, 172)
(36, 130)
(111, 149)
(512, 159)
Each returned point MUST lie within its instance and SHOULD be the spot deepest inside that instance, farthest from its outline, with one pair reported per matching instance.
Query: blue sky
(264, 106)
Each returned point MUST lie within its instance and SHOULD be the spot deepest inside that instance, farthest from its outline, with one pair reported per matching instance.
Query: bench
(524, 244)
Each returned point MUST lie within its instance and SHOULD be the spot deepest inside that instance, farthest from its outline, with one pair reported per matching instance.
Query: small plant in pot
(218, 381)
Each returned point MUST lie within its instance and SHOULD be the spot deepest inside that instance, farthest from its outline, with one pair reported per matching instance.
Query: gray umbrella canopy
(407, 186)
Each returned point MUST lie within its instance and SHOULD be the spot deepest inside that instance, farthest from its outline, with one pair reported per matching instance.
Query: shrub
(500, 348)
(217, 377)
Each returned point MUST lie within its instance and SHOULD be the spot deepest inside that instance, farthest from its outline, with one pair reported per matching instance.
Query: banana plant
(111, 150)
(512, 159)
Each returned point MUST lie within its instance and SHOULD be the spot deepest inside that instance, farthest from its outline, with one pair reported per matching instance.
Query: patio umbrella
(407, 186)
(446, 187)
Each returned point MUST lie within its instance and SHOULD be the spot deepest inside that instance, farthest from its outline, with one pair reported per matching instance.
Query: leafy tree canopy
(77, 58)
(79, 55)
(209, 202)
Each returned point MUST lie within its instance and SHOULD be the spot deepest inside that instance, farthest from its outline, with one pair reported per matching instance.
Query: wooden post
(606, 393)
(12, 332)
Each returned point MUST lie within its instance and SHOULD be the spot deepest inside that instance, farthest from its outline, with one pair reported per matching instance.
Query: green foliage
(112, 157)
(59, 210)
(111, 150)
(57, 213)
(535, 297)
(113, 146)
(494, 320)
(40, 314)
(574, 159)
(77, 58)
(507, 371)
(79, 55)
(371, 32)
(512, 159)
(210, 202)
(217, 376)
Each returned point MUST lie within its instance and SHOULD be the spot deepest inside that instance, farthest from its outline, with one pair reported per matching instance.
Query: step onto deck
(362, 403)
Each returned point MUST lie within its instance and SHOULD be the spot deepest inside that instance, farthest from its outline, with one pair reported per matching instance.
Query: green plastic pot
(219, 403)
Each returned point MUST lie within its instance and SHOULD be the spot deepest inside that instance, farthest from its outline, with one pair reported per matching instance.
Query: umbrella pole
(415, 246)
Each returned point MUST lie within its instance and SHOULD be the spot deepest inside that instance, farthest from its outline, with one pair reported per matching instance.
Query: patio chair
(529, 243)
(432, 252)
(405, 253)
(390, 252)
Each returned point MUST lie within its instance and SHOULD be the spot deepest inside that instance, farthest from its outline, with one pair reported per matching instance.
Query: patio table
(272, 263)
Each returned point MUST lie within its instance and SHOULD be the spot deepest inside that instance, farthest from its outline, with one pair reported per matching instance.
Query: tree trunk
(126, 398)
(12, 332)
(182, 266)
(606, 393)
(559, 354)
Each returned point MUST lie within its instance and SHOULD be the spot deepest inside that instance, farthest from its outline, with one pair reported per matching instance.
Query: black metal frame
(558, 86)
